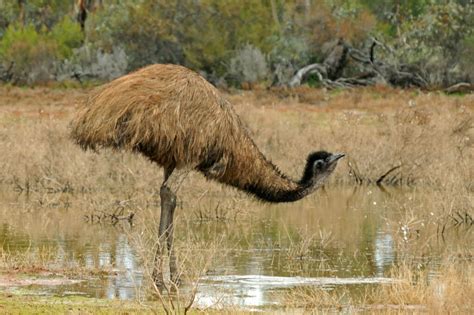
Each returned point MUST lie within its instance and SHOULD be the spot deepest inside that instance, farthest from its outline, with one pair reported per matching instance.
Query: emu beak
(334, 157)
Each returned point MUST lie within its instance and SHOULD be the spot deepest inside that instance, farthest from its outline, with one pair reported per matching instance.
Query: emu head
(319, 166)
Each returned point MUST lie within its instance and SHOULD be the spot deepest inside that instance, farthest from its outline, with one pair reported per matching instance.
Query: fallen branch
(381, 178)
(111, 218)
(330, 71)
(462, 87)
(314, 68)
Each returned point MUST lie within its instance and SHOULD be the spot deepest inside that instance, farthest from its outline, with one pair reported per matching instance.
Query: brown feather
(177, 119)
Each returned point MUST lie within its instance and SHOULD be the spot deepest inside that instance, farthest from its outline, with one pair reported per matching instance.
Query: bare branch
(314, 68)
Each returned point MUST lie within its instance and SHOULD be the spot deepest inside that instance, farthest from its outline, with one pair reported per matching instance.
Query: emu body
(180, 121)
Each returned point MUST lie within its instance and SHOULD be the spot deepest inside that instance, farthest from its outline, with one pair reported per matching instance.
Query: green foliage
(217, 28)
(446, 26)
(31, 54)
(15, 35)
(288, 54)
(214, 36)
(8, 15)
(38, 13)
(202, 35)
(388, 9)
(143, 29)
(67, 35)
(467, 52)
(102, 25)
(439, 41)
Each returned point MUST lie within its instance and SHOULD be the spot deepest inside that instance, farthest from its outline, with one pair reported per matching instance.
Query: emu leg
(169, 188)
(168, 203)
(169, 240)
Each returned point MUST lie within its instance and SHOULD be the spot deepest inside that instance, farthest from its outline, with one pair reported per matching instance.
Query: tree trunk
(81, 14)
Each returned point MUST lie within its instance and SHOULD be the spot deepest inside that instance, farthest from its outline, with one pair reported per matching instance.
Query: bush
(199, 34)
(290, 52)
(467, 57)
(439, 42)
(219, 28)
(67, 35)
(143, 30)
(239, 40)
(89, 62)
(30, 55)
(33, 56)
(248, 65)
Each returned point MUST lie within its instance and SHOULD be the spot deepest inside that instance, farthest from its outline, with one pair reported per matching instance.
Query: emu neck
(288, 193)
(261, 178)
(241, 164)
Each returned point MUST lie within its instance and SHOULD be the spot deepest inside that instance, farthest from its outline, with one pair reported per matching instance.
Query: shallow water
(341, 237)
(253, 291)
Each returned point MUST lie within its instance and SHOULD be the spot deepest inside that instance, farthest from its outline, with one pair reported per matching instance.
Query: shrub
(248, 65)
(144, 30)
(290, 52)
(67, 34)
(439, 42)
(219, 28)
(199, 34)
(33, 56)
(30, 55)
(89, 62)
(467, 57)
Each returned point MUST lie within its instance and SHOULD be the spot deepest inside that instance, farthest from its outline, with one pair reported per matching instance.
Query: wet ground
(342, 237)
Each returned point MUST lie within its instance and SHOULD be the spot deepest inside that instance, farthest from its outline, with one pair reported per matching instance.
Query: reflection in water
(349, 244)
(254, 290)
(119, 255)
(123, 285)
(383, 252)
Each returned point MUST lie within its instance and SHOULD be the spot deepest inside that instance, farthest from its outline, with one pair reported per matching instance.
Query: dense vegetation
(231, 42)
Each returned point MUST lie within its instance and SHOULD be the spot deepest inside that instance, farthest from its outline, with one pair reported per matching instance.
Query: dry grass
(430, 136)
(449, 291)
(43, 262)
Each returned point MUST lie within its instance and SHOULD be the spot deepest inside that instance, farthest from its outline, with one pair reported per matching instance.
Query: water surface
(342, 237)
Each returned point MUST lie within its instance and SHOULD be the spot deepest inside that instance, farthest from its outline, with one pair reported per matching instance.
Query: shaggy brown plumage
(178, 119)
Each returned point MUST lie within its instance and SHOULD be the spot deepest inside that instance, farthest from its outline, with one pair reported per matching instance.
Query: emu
(178, 120)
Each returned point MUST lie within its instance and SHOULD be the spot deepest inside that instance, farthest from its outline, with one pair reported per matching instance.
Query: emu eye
(318, 164)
